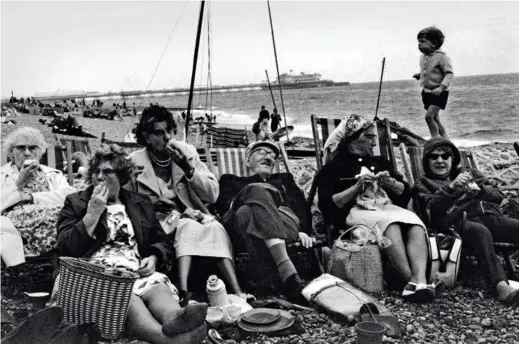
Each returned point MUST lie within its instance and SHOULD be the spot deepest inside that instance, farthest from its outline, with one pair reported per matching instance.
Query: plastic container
(369, 332)
(216, 292)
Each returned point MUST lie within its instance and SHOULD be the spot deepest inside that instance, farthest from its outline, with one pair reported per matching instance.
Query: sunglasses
(435, 156)
(263, 153)
(106, 171)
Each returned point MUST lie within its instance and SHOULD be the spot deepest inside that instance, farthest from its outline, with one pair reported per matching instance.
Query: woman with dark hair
(359, 188)
(180, 186)
(115, 227)
(447, 191)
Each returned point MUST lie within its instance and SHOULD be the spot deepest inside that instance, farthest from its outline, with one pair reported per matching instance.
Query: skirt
(210, 239)
(384, 216)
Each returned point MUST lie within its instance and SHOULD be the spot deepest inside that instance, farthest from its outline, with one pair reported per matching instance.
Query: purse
(358, 263)
(445, 256)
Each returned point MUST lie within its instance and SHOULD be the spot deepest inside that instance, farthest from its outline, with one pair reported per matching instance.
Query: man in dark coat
(264, 212)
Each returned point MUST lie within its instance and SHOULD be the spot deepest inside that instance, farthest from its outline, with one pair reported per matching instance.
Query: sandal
(247, 297)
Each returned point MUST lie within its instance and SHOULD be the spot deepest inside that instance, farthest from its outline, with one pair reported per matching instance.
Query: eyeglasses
(106, 171)
(32, 148)
(263, 153)
(435, 156)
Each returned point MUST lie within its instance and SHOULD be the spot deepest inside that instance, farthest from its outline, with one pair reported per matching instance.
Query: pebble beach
(465, 314)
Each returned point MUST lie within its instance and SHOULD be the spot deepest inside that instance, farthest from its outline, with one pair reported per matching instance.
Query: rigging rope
(158, 63)
(209, 89)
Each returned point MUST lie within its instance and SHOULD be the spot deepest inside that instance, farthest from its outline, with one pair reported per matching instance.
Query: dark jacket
(74, 241)
(293, 197)
(348, 165)
(446, 205)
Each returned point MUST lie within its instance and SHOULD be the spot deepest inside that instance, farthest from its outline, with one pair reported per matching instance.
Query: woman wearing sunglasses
(32, 196)
(181, 187)
(448, 191)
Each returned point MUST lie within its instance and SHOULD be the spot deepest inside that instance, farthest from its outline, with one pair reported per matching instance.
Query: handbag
(445, 251)
(358, 263)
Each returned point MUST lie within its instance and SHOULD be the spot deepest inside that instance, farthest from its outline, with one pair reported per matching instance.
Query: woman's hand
(97, 203)
(306, 241)
(27, 174)
(461, 180)
(148, 266)
(179, 157)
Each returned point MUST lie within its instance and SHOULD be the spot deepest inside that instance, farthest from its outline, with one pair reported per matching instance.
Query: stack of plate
(265, 320)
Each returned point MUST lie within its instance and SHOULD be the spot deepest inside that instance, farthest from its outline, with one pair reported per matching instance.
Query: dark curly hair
(151, 115)
(433, 34)
(122, 164)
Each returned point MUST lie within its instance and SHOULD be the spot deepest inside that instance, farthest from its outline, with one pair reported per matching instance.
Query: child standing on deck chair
(435, 77)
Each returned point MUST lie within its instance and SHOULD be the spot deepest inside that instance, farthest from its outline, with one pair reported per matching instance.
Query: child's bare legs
(432, 119)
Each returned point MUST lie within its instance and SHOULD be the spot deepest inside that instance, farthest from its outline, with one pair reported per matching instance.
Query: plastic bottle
(216, 292)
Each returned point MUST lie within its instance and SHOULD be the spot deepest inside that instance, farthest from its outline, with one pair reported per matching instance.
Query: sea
(481, 109)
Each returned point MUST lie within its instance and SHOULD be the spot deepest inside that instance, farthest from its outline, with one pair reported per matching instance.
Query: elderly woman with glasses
(117, 228)
(265, 211)
(358, 188)
(447, 191)
(32, 195)
(181, 186)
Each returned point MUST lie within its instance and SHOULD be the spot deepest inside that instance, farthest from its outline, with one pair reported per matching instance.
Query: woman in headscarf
(359, 188)
(117, 228)
(32, 196)
(447, 191)
(181, 186)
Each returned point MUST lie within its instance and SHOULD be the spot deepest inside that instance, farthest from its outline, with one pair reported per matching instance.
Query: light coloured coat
(59, 188)
(194, 193)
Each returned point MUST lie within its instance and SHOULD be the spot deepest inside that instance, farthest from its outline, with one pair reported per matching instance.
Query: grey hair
(20, 134)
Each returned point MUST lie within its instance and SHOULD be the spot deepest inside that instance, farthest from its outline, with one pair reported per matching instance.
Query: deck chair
(55, 156)
(412, 160)
(322, 127)
(78, 143)
(226, 137)
(233, 161)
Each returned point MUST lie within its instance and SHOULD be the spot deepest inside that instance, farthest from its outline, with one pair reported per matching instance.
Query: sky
(53, 46)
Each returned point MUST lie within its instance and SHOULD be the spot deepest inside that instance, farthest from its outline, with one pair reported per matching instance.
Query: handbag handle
(362, 225)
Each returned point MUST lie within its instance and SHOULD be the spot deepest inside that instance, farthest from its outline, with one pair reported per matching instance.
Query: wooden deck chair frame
(412, 160)
(55, 157)
(322, 127)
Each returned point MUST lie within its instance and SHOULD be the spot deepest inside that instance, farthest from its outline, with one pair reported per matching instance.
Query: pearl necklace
(160, 163)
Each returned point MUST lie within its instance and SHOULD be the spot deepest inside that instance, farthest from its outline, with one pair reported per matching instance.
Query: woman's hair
(122, 164)
(21, 136)
(151, 115)
(432, 34)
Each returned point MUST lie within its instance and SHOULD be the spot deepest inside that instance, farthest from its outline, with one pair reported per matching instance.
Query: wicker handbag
(359, 264)
(90, 293)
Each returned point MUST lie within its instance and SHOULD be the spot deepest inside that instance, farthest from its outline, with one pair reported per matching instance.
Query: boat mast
(270, 88)
(277, 69)
(379, 89)
(193, 74)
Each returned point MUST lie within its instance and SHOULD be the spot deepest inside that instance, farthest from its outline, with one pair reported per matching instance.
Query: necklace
(161, 163)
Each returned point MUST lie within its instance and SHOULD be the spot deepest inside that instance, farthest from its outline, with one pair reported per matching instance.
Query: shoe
(36, 329)
(437, 286)
(185, 297)
(191, 317)
(292, 289)
(418, 293)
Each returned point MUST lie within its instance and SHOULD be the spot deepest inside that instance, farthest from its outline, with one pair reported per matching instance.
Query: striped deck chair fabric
(231, 161)
(226, 137)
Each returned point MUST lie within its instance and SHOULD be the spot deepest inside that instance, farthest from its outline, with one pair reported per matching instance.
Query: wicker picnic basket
(90, 293)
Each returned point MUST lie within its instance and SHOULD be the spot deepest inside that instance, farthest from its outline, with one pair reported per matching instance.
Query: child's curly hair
(122, 164)
(433, 34)
(151, 115)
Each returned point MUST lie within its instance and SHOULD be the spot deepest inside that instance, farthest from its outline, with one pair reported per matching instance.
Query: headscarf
(348, 127)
